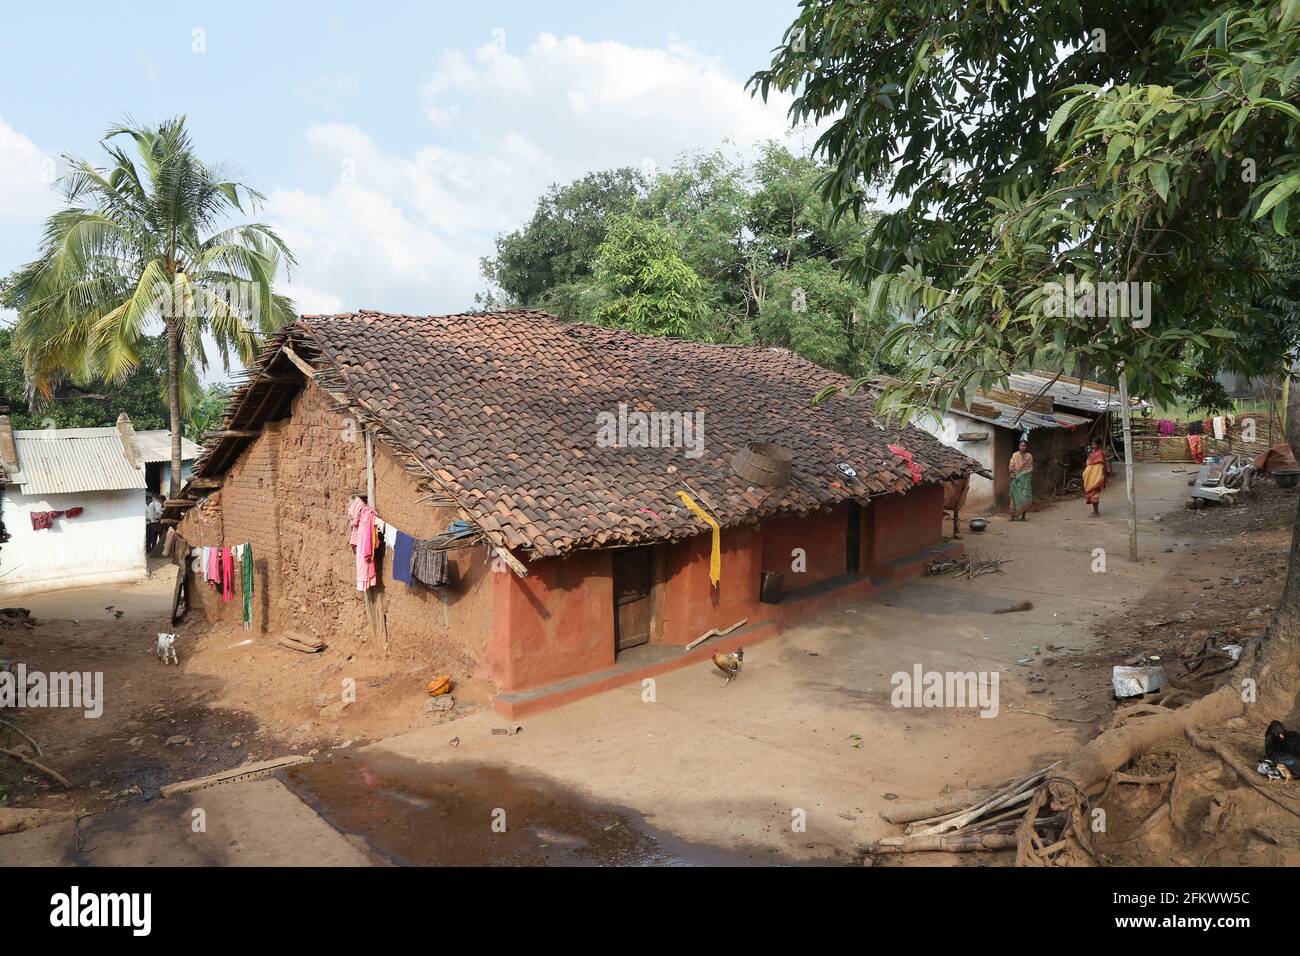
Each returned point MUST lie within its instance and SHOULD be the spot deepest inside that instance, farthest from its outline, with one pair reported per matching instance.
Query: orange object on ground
(438, 686)
(1194, 445)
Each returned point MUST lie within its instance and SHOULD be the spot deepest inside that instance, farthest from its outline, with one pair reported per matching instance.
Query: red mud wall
(288, 495)
(896, 525)
(556, 623)
(822, 536)
(692, 605)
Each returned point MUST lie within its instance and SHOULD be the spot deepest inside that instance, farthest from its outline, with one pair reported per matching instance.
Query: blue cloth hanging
(403, 552)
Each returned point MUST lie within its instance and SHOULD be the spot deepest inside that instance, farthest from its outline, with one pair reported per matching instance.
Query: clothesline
(1218, 427)
(413, 559)
(217, 566)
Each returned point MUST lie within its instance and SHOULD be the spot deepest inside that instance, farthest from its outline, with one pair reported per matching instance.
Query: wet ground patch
(468, 814)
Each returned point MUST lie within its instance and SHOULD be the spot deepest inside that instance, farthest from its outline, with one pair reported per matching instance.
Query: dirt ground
(793, 762)
(1226, 592)
(232, 699)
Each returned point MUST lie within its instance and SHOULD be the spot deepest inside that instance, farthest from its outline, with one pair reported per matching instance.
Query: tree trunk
(174, 402)
(1286, 619)
(1293, 410)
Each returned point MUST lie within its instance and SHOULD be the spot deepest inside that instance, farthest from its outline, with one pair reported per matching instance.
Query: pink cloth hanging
(214, 567)
(361, 518)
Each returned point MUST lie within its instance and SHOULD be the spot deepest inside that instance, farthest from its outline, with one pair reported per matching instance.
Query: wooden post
(1126, 416)
(1286, 389)
(374, 602)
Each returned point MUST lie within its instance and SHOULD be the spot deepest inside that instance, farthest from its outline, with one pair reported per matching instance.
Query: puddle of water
(442, 814)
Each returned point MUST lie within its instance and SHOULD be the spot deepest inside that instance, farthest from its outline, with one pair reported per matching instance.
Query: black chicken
(1282, 746)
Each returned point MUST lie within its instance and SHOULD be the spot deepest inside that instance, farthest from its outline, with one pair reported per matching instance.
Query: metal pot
(978, 524)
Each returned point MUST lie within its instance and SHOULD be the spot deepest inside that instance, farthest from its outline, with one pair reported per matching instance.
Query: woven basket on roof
(763, 464)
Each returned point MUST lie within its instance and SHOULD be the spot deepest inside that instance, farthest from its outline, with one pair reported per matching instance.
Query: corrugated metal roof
(63, 460)
(156, 445)
(1071, 393)
(1028, 420)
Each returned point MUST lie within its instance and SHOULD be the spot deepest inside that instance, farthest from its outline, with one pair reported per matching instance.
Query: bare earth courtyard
(792, 762)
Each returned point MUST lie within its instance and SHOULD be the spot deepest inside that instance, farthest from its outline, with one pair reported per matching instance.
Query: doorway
(633, 602)
(1005, 441)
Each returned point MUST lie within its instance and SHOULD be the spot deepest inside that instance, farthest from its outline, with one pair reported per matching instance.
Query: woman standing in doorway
(1094, 477)
(1022, 481)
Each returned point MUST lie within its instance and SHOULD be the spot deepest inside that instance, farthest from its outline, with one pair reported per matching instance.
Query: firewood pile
(968, 566)
(970, 820)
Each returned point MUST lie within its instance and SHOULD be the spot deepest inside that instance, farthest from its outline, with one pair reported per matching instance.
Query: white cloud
(27, 174)
(405, 231)
(358, 249)
(592, 105)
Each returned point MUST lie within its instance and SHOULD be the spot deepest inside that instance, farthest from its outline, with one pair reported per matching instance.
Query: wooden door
(633, 607)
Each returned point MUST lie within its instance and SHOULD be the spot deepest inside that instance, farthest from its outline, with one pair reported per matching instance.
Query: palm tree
(141, 245)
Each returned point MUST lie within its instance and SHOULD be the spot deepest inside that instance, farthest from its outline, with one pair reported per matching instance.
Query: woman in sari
(1022, 481)
(1094, 477)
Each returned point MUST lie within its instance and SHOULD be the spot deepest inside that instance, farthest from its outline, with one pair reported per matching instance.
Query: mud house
(74, 501)
(573, 476)
(1058, 414)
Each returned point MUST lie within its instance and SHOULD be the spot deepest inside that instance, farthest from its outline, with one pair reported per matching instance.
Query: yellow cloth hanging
(715, 558)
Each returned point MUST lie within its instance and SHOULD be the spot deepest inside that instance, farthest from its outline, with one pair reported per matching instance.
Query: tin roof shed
(55, 461)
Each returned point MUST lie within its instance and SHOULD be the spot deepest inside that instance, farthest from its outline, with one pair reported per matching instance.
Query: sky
(392, 141)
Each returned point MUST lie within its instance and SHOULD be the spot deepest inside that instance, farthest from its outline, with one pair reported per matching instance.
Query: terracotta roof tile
(502, 408)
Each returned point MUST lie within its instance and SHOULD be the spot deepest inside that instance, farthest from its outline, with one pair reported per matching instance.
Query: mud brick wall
(202, 524)
(288, 496)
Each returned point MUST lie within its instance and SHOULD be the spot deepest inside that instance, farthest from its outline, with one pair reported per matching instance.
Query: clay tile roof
(501, 410)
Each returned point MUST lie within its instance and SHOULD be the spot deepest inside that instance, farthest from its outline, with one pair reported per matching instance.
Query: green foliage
(650, 288)
(815, 311)
(753, 234)
(558, 245)
(95, 404)
(146, 245)
(1031, 148)
(206, 412)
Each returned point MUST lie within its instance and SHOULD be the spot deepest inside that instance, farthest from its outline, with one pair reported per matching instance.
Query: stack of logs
(967, 820)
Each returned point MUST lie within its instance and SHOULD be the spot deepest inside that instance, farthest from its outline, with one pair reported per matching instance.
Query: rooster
(1282, 747)
(729, 664)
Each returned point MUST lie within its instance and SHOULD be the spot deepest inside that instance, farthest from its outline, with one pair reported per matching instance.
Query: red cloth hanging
(227, 574)
(912, 466)
(43, 520)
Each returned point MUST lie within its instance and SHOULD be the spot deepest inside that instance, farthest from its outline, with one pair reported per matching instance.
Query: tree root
(1054, 828)
(36, 748)
(1217, 749)
(37, 766)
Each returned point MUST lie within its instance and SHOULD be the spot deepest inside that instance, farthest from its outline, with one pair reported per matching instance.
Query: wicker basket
(763, 464)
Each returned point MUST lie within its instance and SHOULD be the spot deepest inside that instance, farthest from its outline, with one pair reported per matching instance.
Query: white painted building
(947, 427)
(49, 475)
(1057, 414)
